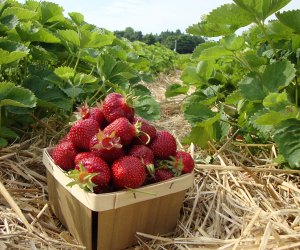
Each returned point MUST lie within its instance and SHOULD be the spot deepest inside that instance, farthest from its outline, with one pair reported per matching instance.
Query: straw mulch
(241, 201)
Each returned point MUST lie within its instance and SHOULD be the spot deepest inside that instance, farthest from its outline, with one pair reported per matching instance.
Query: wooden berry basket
(111, 220)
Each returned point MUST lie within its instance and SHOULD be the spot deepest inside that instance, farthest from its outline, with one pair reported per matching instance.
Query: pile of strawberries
(111, 148)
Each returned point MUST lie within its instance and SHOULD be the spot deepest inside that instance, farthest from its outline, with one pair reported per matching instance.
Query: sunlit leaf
(291, 19)
(287, 136)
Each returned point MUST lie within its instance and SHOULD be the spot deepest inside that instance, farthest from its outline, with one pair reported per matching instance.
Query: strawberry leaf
(34, 33)
(261, 9)
(3, 142)
(147, 107)
(176, 89)
(291, 19)
(77, 18)
(230, 14)
(8, 133)
(65, 72)
(20, 13)
(16, 96)
(287, 136)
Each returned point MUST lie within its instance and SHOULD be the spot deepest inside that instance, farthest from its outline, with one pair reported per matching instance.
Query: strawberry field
(233, 105)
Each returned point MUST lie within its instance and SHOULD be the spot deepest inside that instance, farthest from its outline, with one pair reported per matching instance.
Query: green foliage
(50, 64)
(248, 82)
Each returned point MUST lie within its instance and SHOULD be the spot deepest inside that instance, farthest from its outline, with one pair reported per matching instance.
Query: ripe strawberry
(92, 173)
(128, 172)
(122, 128)
(142, 152)
(184, 161)
(163, 145)
(107, 147)
(162, 174)
(95, 113)
(82, 155)
(145, 132)
(82, 131)
(115, 106)
(64, 154)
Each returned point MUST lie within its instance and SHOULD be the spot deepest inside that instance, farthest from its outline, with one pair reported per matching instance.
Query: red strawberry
(82, 155)
(107, 147)
(142, 152)
(114, 106)
(83, 112)
(145, 132)
(163, 145)
(97, 114)
(82, 132)
(184, 161)
(128, 172)
(91, 172)
(122, 128)
(63, 155)
(162, 174)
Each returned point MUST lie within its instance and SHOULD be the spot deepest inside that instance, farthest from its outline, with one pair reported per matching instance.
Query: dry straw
(241, 201)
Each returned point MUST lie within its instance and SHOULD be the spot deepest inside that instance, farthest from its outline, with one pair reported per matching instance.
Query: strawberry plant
(247, 82)
(57, 62)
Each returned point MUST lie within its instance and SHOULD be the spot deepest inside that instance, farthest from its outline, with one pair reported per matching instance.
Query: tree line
(177, 41)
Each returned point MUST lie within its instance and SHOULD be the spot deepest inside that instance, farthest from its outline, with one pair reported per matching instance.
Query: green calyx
(82, 178)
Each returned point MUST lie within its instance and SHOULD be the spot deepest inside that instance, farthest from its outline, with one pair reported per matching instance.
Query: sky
(148, 16)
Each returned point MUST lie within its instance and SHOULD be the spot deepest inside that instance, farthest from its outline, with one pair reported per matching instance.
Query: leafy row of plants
(50, 63)
(247, 82)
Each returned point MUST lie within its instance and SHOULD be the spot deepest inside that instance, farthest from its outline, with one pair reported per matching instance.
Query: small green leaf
(176, 89)
(51, 12)
(77, 18)
(261, 9)
(34, 33)
(287, 136)
(207, 29)
(205, 69)
(8, 22)
(215, 52)
(82, 78)
(94, 39)
(69, 36)
(8, 133)
(3, 142)
(253, 59)
(274, 117)
(278, 75)
(20, 13)
(234, 97)
(16, 96)
(230, 14)
(251, 87)
(199, 135)
(202, 46)
(291, 19)
(189, 75)
(197, 112)
(65, 72)
(232, 42)
(147, 107)
(276, 101)
(73, 92)
(8, 57)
